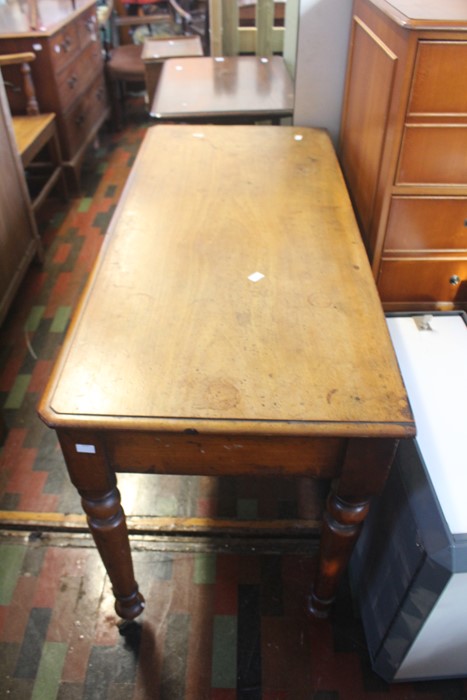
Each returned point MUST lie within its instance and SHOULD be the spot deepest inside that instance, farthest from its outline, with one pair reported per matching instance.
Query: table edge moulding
(249, 342)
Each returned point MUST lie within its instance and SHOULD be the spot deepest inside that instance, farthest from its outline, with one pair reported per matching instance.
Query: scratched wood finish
(173, 335)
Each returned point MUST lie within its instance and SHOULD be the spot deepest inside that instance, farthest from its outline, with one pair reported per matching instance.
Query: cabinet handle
(66, 44)
(79, 121)
(454, 280)
(72, 81)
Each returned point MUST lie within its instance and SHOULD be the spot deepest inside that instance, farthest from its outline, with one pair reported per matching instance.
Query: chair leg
(50, 171)
(56, 156)
(3, 430)
(116, 101)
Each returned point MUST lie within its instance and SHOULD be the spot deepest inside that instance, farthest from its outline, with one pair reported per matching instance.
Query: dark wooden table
(231, 326)
(230, 88)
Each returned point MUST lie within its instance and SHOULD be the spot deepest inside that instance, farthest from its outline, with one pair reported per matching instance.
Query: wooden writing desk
(231, 326)
(220, 88)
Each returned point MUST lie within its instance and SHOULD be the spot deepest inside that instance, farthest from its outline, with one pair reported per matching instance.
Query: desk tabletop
(232, 294)
(223, 86)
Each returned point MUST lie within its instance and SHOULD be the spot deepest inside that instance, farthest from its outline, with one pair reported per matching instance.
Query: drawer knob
(66, 44)
(72, 81)
(454, 280)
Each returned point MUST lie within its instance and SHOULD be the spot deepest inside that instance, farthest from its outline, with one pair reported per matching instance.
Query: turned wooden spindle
(23, 60)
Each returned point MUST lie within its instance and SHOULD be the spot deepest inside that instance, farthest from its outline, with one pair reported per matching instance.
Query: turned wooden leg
(365, 469)
(91, 473)
(106, 521)
(341, 527)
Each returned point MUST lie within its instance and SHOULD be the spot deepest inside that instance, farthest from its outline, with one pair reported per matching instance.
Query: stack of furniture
(68, 71)
(126, 62)
(228, 85)
(404, 144)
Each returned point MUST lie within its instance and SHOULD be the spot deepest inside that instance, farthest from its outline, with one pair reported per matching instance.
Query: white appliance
(409, 569)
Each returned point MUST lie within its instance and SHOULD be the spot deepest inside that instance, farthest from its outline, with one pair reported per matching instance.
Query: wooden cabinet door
(19, 241)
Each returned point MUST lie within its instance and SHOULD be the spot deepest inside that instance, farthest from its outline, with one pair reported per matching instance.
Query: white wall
(323, 38)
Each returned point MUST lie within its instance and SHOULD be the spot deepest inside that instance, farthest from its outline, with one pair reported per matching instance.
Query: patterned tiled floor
(219, 625)
(226, 616)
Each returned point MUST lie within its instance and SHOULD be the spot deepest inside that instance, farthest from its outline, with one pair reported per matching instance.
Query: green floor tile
(19, 389)
(61, 319)
(34, 318)
(50, 671)
(110, 191)
(57, 219)
(224, 654)
(85, 204)
(11, 558)
(205, 568)
(247, 508)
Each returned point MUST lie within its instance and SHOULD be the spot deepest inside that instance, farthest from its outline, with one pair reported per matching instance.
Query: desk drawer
(64, 47)
(87, 27)
(440, 83)
(433, 154)
(77, 123)
(427, 223)
(423, 280)
(210, 454)
(77, 77)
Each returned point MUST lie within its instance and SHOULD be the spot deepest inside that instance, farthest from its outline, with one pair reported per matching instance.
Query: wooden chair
(36, 137)
(261, 27)
(124, 63)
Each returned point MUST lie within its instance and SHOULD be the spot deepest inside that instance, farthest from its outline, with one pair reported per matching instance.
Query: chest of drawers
(68, 71)
(403, 147)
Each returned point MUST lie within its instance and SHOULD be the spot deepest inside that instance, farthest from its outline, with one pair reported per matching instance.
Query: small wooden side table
(224, 89)
(156, 51)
